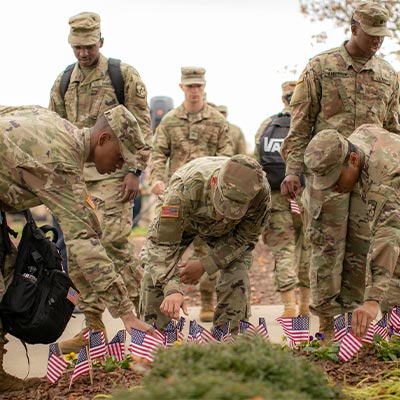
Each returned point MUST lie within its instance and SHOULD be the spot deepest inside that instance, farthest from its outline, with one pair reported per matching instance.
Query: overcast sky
(248, 48)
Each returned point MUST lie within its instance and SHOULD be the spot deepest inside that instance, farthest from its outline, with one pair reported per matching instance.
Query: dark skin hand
(191, 271)
(130, 187)
(363, 316)
(291, 187)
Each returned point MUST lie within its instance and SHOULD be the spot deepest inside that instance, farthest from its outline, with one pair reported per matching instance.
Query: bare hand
(172, 304)
(130, 187)
(191, 271)
(158, 188)
(291, 187)
(363, 316)
(131, 321)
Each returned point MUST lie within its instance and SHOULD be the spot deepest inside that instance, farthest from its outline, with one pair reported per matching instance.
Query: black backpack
(39, 302)
(114, 70)
(270, 146)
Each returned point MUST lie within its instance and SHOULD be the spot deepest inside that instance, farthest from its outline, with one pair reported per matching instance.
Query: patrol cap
(193, 76)
(85, 29)
(239, 180)
(223, 109)
(324, 157)
(372, 17)
(125, 127)
(288, 88)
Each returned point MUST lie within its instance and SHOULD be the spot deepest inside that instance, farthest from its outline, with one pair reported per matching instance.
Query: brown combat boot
(326, 327)
(305, 299)
(94, 322)
(289, 303)
(207, 307)
(9, 383)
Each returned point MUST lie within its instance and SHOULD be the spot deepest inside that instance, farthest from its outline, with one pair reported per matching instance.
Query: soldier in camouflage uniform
(284, 235)
(90, 93)
(342, 88)
(42, 158)
(194, 129)
(371, 158)
(238, 140)
(224, 201)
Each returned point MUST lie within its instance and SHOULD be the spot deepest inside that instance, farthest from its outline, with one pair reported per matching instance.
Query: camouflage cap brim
(193, 81)
(376, 30)
(322, 182)
(228, 208)
(81, 39)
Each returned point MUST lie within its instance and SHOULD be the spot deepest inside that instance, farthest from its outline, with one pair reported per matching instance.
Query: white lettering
(272, 145)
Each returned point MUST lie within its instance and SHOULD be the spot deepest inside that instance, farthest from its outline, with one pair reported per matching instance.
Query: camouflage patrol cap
(193, 76)
(85, 29)
(288, 88)
(324, 157)
(239, 180)
(223, 109)
(125, 127)
(372, 18)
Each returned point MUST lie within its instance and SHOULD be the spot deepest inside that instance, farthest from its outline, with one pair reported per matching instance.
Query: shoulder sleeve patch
(169, 211)
(140, 90)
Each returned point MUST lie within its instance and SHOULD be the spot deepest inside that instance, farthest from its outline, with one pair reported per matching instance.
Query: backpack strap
(65, 79)
(114, 70)
(117, 80)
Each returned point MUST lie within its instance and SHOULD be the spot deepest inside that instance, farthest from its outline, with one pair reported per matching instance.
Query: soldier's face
(367, 44)
(349, 175)
(88, 56)
(193, 93)
(107, 154)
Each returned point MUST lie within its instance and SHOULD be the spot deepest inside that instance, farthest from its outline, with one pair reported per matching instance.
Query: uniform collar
(372, 63)
(97, 73)
(204, 113)
(86, 143)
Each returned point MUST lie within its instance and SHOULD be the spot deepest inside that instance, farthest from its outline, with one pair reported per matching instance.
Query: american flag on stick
(342, 325)
(82, 366)
(143, 345)
(296, 329)
(194, 334)
(294, 207)
(97, 345)
(179, 328)
(394, 319)
(170, 333)
(350, 345)
(262, 328)
(56, 364)
(116, 348)
(247, 328)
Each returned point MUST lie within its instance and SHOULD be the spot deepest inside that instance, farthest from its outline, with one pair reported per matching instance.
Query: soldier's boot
(288, 299)
(305, 299)
(94, 322)
(9, 383)
(326, 327)
(207, 306)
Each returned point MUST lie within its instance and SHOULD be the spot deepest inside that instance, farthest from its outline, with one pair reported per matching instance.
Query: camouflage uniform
(181, 137)
(379, 188)
(336, 91)
(189, 210)
(238, 141)
(44, 155)
(86, 98)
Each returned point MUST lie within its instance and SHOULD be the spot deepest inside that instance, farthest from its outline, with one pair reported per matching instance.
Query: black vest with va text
(270, 146)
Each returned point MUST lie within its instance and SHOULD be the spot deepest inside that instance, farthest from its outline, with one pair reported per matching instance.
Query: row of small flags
(143, 345)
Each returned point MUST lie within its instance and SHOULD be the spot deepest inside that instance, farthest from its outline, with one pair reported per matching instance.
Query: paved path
(16, 361)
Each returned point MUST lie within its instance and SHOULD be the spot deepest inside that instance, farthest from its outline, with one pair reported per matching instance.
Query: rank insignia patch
(371, 209)
(90, 202)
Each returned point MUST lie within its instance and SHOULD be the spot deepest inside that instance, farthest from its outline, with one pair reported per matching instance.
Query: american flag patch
(170, 211)
(72, 296)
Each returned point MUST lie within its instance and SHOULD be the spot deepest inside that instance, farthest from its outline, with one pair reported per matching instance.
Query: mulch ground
(365, 367)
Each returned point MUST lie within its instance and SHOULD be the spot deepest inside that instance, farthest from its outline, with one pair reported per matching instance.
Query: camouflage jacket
(190, 195)
(238, 140)
(331, 94)
(42, 158)
(178, 140)
(88, 98)
(380, 188)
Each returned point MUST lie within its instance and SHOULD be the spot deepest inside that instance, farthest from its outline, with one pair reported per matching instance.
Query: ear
(104, 137)
(181, 86)
(354, 159)
(214, 181)
(354, 29)
(101, 43)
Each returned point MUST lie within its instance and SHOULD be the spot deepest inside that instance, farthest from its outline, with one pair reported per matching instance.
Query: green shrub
(243, 370)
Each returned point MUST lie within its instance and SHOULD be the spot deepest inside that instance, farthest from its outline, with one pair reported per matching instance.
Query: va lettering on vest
(272, 145)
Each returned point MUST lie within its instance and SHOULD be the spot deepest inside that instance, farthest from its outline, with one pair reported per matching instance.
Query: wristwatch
(135, 171)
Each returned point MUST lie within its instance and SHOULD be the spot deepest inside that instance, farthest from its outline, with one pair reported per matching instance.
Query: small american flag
(341, 326)
(82, 366)
(158, 333)
(206, 335)
(247, 328)
(97, 345)
(381, 327)
(194, 334)
(294, 207)
(262, 328)
(297, 329)
(223, 334)
(350, 345)
(394, 320)
(170, 333)
(116, 348)
(179, 328)
(55, 363)
(143, 345)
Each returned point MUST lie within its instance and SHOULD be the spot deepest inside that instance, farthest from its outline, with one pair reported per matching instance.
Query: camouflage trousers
(290, 250)
(116, 223)
(232, 288)
(337, 227)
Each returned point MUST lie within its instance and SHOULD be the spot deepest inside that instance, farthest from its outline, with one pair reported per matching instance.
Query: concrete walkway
(16, 361)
